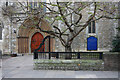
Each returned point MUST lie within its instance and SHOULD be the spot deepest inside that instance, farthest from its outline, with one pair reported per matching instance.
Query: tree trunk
(68, 49)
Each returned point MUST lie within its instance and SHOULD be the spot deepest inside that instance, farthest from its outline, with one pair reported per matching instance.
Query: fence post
(101, 55)
(49, 49)
(49, 55)
(35, 55)
(78, 55)
(0, 54)
(57, 55)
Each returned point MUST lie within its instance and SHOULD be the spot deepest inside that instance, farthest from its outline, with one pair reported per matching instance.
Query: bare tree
(64, 13)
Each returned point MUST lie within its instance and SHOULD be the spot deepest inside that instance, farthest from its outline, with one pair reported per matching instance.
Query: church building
(15, 38)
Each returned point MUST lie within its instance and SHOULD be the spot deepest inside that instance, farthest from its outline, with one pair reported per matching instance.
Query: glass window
(6, 3)
(0, 31)
(35, 4)
(31, 4)
(92, 27)
(89, 28)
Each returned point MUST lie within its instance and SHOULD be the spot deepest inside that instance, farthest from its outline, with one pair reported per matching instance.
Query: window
(33, 5)
(0, 31)
(36, 5)
(92, 27)
(9, 3)
(6, 3)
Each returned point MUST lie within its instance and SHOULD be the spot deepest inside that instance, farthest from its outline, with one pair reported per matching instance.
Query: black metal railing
(43, 43)
(65, 55)
(72, 55)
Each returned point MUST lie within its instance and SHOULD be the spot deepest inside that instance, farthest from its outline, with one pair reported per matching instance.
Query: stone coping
(111, 52)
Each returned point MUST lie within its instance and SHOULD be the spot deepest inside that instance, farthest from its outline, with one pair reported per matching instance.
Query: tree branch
(85, 25)
(52, 11)
(65, 20)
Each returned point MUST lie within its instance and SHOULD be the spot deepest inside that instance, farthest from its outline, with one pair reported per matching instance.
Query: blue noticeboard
(91, 43)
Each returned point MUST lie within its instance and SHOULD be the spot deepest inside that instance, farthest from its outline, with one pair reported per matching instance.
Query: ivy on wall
(116, 41)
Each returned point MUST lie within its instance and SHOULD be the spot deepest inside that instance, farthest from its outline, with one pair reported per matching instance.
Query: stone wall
(111, 61)
(75, 65)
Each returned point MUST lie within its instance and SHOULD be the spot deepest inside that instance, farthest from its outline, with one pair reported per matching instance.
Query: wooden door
(36, 40)
(23, 45)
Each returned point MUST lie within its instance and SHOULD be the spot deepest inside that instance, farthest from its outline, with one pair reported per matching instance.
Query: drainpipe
(11, 35)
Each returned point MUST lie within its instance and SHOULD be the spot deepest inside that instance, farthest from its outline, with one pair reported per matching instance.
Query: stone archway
(25, 34)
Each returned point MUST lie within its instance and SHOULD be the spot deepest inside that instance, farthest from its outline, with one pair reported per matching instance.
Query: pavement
(0, 69)
(22, 67)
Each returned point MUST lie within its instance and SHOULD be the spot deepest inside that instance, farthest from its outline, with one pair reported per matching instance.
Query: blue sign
(91, 43)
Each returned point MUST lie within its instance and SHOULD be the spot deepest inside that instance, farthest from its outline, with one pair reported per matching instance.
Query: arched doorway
(27, 34)
(92, 43)
(36, 40)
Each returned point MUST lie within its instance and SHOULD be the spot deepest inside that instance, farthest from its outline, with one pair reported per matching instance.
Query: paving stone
(22, 67)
